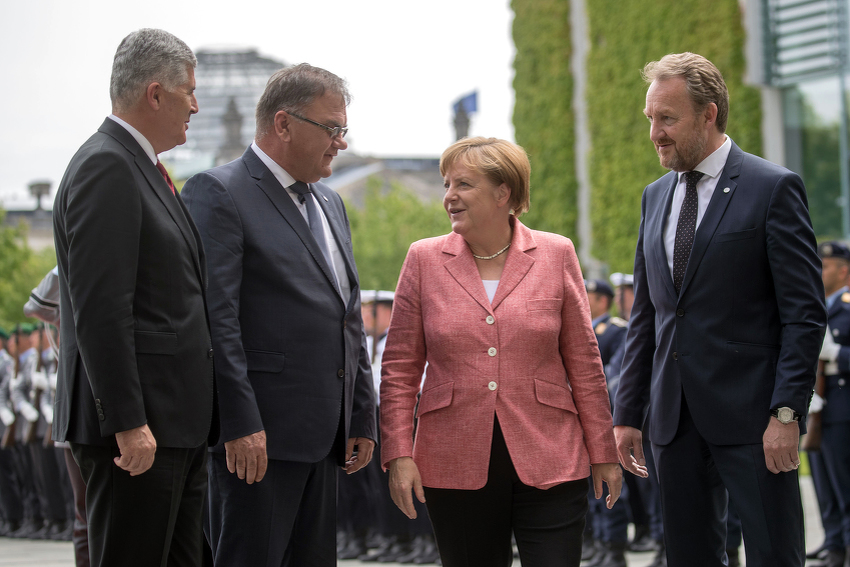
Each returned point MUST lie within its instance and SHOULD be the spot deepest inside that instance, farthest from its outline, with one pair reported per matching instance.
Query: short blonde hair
(499, 160)
(703, 81)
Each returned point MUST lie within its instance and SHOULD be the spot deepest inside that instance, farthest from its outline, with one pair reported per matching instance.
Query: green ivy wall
(624, 35)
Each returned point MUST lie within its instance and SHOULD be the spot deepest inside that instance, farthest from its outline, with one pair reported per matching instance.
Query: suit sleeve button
(490, 320)
(492, 386)
(680, 312)
(675, 355)
(210, 353)
(340, 372)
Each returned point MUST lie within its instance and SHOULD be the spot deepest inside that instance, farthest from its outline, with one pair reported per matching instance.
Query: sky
(406, 63)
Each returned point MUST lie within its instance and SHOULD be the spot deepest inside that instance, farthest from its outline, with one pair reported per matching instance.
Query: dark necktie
(315, 219)
(165, 176)
(686, 228)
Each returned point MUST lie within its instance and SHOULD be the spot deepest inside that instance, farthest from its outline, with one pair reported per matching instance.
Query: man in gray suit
(294, 375)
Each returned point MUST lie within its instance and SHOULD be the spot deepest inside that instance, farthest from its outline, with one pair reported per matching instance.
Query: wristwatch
(785, 415)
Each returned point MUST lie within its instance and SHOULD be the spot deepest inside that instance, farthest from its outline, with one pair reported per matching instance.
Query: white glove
(830, 369)
(829, 350)
(29, 412)
(53, 379)
(817, 403)
(6, 416)
(39, 381)
(47, 412)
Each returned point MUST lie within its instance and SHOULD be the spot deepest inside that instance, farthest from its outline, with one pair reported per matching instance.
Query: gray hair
(146, 56)
(293, 89)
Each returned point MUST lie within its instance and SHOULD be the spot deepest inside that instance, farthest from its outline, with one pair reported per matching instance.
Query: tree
(385, 227)
(21, 268)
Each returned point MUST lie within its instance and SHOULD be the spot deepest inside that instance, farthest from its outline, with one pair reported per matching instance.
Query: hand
(247, 458)
(629, 442)
(612, 475)
(829, 350)
(404, 478)
(354, 463)
(780, 446)
(137, 447)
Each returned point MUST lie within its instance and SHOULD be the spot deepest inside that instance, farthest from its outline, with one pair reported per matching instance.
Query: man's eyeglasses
(335, 131)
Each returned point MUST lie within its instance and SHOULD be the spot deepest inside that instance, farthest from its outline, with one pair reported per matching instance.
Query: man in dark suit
(725, 329)
(297, 399)
(135, 394)
(831, 465)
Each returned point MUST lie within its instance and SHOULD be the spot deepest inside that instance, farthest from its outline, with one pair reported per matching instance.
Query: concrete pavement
(31, 553)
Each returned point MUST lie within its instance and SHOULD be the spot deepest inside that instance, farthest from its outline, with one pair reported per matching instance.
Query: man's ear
(709, 114)
(282, 122)
(153, 96)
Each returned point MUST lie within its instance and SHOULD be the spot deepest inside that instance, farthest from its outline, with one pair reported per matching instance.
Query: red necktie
(165, 176)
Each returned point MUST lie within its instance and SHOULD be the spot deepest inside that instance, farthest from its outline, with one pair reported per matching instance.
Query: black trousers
(146, 520)
(473, 527)
(695, 475)
(287, 519)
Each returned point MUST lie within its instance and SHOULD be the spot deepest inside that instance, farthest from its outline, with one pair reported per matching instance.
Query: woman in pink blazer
(514, 410)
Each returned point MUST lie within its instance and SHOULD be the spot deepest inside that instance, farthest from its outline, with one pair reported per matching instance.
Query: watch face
(785, 415)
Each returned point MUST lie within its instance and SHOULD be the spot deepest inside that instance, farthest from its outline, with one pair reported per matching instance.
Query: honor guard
(831, 465)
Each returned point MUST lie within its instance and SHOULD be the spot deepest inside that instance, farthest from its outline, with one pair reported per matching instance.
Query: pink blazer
(530, 358)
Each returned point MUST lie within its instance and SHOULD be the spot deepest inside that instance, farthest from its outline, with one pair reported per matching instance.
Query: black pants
(286, 520)
(146, 520)
(695, 476)
(473, 527)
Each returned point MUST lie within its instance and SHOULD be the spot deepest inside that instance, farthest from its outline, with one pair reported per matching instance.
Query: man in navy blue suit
(725, 330)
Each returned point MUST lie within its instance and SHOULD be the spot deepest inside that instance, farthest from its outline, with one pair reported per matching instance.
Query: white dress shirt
(146, 145)
(711, 168)
(286, 181)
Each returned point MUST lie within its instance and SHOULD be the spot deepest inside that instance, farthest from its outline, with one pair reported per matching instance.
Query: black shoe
(660, 557)
(834, 558)
(67, 534)
(398, 549)
(819, 553)
(588, 548)
(430, 554)
(615, 556)
(353, 547)
(643, 544)
(27, 528)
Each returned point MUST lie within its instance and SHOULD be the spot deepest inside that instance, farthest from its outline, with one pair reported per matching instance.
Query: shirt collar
(831, 299)
(146, 145)
(280, 174)
(713, 165)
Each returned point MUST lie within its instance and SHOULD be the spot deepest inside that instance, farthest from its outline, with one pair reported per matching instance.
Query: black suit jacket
(135, 343)
(744, 334)
(290, 352)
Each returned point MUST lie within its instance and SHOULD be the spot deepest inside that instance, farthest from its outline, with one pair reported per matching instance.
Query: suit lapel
(461, 266)
(655, 234)
(723, 192)
(281, 200)
(160, 188)
(517, 264)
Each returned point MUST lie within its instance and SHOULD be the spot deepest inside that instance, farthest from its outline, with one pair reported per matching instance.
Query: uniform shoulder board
(845, 297)
(600, 328)
(623, 323)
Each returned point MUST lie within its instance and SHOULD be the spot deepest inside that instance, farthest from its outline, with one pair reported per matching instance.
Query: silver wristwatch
(785, 415)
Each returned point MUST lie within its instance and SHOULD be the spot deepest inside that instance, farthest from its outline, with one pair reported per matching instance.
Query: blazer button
(340, 373)
(490, 320)
(841, 382)
(680, 312)
(675, 355)
(492, 386)
(491, 351)
(210, 353)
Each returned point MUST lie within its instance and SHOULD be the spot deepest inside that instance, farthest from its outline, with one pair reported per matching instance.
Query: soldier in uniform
(608, 526)
(831, 472)
(11, 504)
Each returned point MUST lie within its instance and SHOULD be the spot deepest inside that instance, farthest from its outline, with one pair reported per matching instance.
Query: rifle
(32, 426)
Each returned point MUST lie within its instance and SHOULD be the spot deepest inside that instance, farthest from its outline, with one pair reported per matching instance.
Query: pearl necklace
(502, 251)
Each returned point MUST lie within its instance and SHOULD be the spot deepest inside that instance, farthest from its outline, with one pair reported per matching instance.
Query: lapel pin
(726, 190)
(325, 198)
